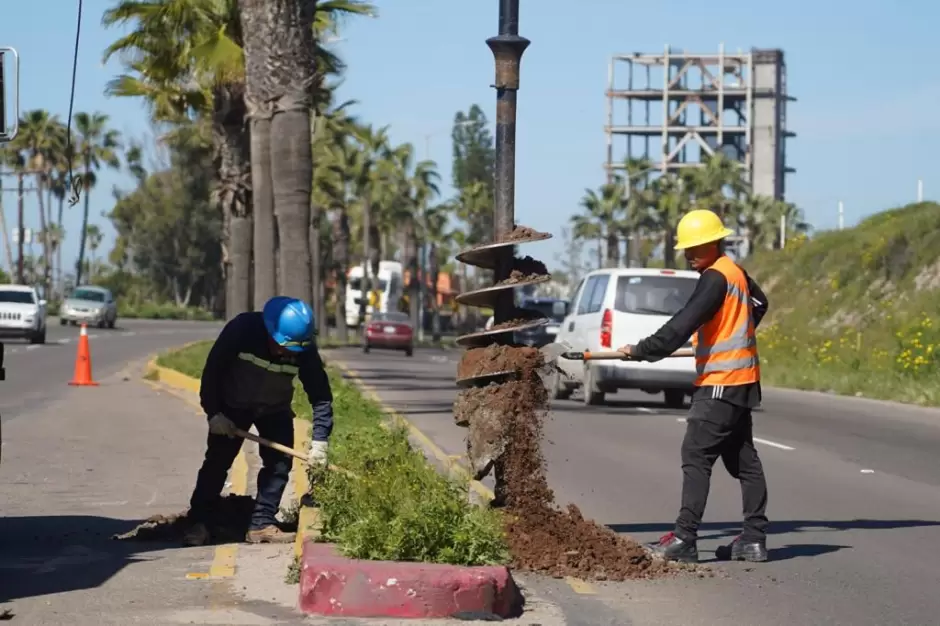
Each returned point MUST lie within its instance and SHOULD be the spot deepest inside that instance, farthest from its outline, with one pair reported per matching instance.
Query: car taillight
(607, 328)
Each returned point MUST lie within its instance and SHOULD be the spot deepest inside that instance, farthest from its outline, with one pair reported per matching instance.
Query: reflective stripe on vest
(277, 368)
(726, 346)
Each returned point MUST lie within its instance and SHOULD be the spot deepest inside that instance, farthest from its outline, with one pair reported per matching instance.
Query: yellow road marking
(580, 586)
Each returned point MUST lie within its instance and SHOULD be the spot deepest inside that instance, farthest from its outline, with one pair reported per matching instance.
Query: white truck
(389, 284)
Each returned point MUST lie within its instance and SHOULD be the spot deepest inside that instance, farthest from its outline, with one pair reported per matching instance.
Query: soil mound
(229, 522)
(543, 537)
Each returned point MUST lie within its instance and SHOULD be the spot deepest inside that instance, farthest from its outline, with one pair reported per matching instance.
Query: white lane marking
(643, 409)
(766, 442)
(31, 347)
(868, 471)
(438, 359)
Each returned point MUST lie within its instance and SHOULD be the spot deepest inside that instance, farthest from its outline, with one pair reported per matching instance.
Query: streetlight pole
(508, 48)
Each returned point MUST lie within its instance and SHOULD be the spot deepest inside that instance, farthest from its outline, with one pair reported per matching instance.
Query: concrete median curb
(333, 585)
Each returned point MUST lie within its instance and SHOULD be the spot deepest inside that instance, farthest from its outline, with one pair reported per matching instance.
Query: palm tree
(95, 236)
(438, 237)
(96, 145)
(607, 210)
(671, 202)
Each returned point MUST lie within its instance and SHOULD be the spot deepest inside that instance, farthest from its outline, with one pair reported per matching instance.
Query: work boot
(196, 535)
(269, 534)
(743, 550)
(671, 548)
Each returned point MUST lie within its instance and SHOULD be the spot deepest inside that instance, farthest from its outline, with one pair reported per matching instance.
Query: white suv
(618, 306)
(22, 313)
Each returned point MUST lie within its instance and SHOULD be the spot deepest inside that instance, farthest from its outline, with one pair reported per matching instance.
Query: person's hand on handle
(627, 351)
(318, 452)
(221, 425)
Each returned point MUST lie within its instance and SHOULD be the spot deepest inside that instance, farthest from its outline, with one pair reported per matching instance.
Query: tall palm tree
(42, 138)
(606, 208)
(671, 202)
(438, 237)
(96, 145)
(95, 236)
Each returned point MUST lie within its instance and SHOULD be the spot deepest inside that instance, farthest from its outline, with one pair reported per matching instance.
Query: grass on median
(399, 508)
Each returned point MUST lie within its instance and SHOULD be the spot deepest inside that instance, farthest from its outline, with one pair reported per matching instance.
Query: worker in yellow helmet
(721, 317)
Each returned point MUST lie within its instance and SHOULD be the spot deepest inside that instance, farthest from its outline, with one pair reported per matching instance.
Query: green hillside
(854, 311)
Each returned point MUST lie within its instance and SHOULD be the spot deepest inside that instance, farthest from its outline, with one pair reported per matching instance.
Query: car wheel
(409, 351)
(102, 324)
(63, 322)
(39, 337)
(592, 395)
(112, 323)
(365, 348)
(674, 398)
(560, 391)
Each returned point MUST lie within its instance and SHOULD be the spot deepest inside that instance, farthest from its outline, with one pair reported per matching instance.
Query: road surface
(854, 499)
(81, 464)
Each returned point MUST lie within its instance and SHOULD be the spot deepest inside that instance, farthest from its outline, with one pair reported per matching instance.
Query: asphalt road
(854, 499)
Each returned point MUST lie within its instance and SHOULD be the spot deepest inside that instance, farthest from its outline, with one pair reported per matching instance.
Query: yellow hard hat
(699, 227)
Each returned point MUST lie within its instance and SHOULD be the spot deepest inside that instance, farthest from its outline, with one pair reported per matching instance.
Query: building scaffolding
(681, 108)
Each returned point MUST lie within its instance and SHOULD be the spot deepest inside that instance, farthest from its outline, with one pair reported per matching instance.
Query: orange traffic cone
(82, 376)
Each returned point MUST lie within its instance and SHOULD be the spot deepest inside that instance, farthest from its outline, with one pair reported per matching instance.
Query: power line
(74, 184)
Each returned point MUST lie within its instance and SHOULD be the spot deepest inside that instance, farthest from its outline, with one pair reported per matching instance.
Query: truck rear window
(653, 295)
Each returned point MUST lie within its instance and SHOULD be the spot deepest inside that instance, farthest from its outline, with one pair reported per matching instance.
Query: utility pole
(920, 190)
(841, 215)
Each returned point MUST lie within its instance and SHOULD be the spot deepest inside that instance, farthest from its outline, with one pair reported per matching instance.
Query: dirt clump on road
(543, 537)
(229, 522)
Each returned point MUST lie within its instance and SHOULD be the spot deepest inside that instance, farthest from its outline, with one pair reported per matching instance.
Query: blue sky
(862, 71)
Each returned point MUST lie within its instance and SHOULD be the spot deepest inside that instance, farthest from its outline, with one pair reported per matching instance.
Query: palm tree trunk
(58, 250)
(233, 194)
(44, 229)
(291, 176)
(434, 270)
(7, 244)
(365, 285)
(265, 261)
(411, 261)
(340, 269)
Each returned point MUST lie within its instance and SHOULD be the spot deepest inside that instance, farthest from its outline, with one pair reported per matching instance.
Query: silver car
(89, 305)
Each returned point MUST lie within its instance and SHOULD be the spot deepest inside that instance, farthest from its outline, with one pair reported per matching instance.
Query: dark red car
(390, 331)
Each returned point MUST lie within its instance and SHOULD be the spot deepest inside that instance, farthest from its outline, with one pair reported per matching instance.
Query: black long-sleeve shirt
(705, 302)
(242, 374)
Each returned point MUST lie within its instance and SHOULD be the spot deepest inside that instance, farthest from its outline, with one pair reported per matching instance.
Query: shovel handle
(244, 434)
(617, 355)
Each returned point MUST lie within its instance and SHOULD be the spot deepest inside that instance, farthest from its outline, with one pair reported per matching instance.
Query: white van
(614, 307)
(388, 283)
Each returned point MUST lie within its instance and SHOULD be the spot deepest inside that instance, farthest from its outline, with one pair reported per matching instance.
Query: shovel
(244, 434)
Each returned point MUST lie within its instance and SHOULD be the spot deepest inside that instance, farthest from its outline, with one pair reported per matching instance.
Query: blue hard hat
(290, 322)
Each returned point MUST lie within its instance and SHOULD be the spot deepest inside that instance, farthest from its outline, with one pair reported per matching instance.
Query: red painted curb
(331, 584)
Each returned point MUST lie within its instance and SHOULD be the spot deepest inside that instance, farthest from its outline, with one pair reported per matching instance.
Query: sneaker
(743, 550)
(196, 535)
(671, 548)
(269, 534)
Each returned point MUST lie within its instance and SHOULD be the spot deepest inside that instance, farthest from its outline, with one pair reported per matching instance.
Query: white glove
(221, 425)
(317, 453)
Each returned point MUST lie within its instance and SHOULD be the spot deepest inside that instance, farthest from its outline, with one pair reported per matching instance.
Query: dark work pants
(221, 452)
(716, 428)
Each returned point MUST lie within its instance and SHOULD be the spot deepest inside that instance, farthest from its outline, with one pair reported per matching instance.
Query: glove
(317, 453)
(221, 425)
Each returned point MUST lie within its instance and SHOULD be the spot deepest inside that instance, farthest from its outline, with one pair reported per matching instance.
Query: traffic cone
(82, 376)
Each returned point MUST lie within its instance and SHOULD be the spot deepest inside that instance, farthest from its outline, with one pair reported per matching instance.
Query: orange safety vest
(726, 345)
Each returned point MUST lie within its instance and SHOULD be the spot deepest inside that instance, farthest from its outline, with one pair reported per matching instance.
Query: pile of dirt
(229, 522)
(496, 358)
(516, 277)
(522, 232)
(528, 266)
(542, 537)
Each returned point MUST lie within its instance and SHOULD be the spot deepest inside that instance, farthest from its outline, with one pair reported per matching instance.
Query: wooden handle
(617, 355)
(244, 434)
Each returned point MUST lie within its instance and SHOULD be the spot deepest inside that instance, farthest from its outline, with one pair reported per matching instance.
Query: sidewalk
(91, 463)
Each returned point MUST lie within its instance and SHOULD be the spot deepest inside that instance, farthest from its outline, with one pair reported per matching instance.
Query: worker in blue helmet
(248, 380)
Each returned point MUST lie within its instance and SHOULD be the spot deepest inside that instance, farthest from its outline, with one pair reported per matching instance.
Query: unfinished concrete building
(676, 109)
